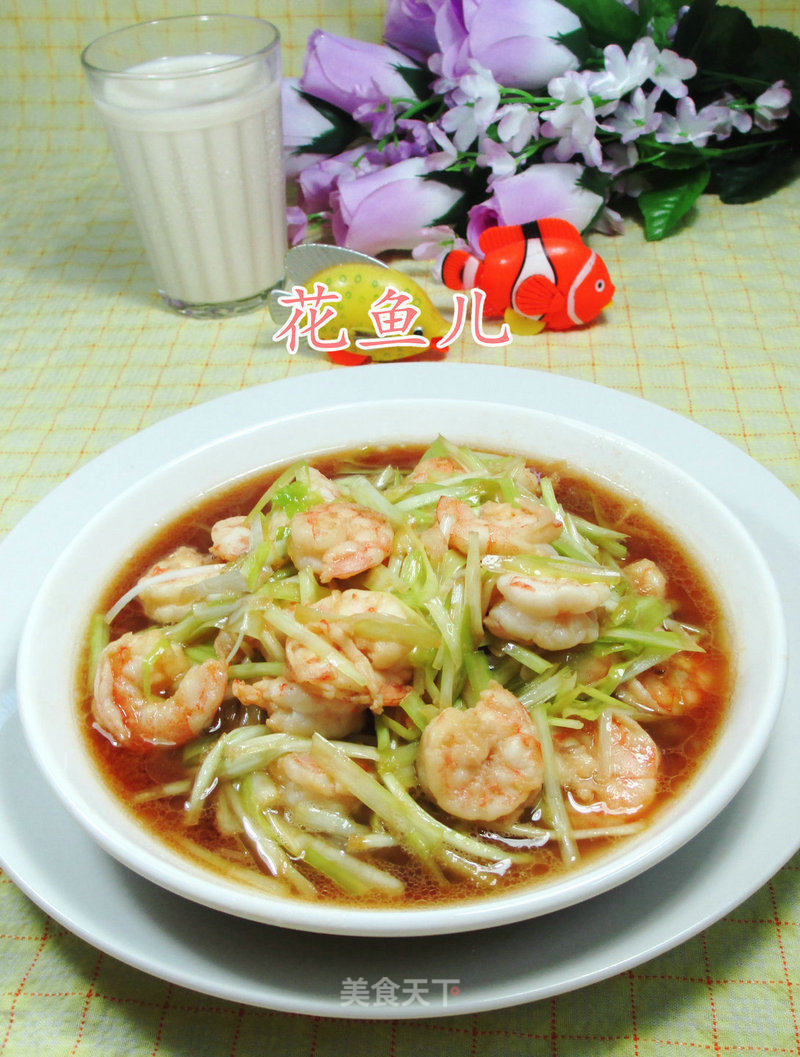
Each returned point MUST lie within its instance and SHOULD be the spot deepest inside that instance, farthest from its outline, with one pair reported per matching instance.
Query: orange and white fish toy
(534, 275)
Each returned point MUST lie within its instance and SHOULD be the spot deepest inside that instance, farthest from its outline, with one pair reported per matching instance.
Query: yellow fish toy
(361, 281)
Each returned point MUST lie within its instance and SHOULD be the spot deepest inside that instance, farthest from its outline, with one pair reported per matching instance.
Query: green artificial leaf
(473, 188)
(341, 134)
(417, 78)
(578, 42)
(777, 58)
(725, 42)
(607, 22)
(657, 17)
(593, 180)
(692, 26)
(678, 157)
(665, 206)
(746, 180)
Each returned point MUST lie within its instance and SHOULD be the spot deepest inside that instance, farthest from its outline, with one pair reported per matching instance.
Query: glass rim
(240, 60)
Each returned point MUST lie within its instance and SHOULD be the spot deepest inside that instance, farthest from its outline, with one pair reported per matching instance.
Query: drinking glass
(192, 108)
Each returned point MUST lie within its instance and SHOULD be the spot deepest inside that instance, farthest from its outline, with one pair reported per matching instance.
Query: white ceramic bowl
(49, 651)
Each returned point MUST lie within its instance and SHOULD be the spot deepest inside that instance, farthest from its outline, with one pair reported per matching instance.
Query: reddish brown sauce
(683, 740)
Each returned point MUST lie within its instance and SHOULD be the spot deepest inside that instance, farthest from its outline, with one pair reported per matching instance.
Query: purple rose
(353, 74)
(389, 209)
(302, 124)
(549, 189)
(409, 27)
(515, 40)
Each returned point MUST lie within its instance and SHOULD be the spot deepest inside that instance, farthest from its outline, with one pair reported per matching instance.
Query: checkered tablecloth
(705, 323)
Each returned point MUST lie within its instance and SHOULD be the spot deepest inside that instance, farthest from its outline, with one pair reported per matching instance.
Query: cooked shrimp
(549, 613)
(323, 486)
(646, 578)
(295, 711)
(230, 538)
(482, 763)
(339, 540)
(131, 718)
(171, 600)
(675, 687)
(434, 468)
(382, 663)
(302, 780)
(501, 528)
(608, 768)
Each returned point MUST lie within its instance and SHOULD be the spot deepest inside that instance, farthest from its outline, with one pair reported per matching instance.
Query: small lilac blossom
(389, 208)
(671, 70)
(494, 156)
(688, 125)
(444, 157)
(609, 222)
(416, 132)
(572, 122)
(618, 158)
(318, 181)
(409, 27)
(518, 126)
(296, 224)
(476, 100)
(772, 106)
(624, 73)
(673, 29)
(636, 118)
(439, 240)
(731, 117)
(548, 189)
(349, 73)
(377, 114)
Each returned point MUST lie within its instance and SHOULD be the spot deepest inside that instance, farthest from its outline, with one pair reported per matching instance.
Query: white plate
(59, 866)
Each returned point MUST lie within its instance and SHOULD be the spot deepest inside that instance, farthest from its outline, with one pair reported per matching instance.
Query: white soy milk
(201, 157)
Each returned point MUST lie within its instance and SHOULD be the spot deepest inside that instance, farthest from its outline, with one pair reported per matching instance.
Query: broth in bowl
(405, 677)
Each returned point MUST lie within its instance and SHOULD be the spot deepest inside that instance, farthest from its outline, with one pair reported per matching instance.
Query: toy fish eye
(418, 330)
(600, 285)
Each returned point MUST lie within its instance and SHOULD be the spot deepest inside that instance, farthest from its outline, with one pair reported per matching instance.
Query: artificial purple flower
(389, 209)
(624, 73)
(445, 156)
(732, 117)
(517, 126)
(352, 73)
(772, 106)
(573, 122)
(417, 133)
(671, 70)
(440, 240)
(320, 180)
(516, 39)
(494, 156)
(690, 126)
(302, 123)
(548, 189)
(409, 27)
(618, 158)
(476, 100)
(636, 118)
(296, 224)
(609, 222)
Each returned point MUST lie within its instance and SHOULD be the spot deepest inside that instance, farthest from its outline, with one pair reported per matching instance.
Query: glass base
(221, 310)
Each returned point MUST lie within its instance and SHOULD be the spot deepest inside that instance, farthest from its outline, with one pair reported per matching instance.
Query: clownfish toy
(534, 275)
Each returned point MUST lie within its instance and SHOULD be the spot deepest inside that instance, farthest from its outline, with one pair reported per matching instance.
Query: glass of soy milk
(192, 108)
